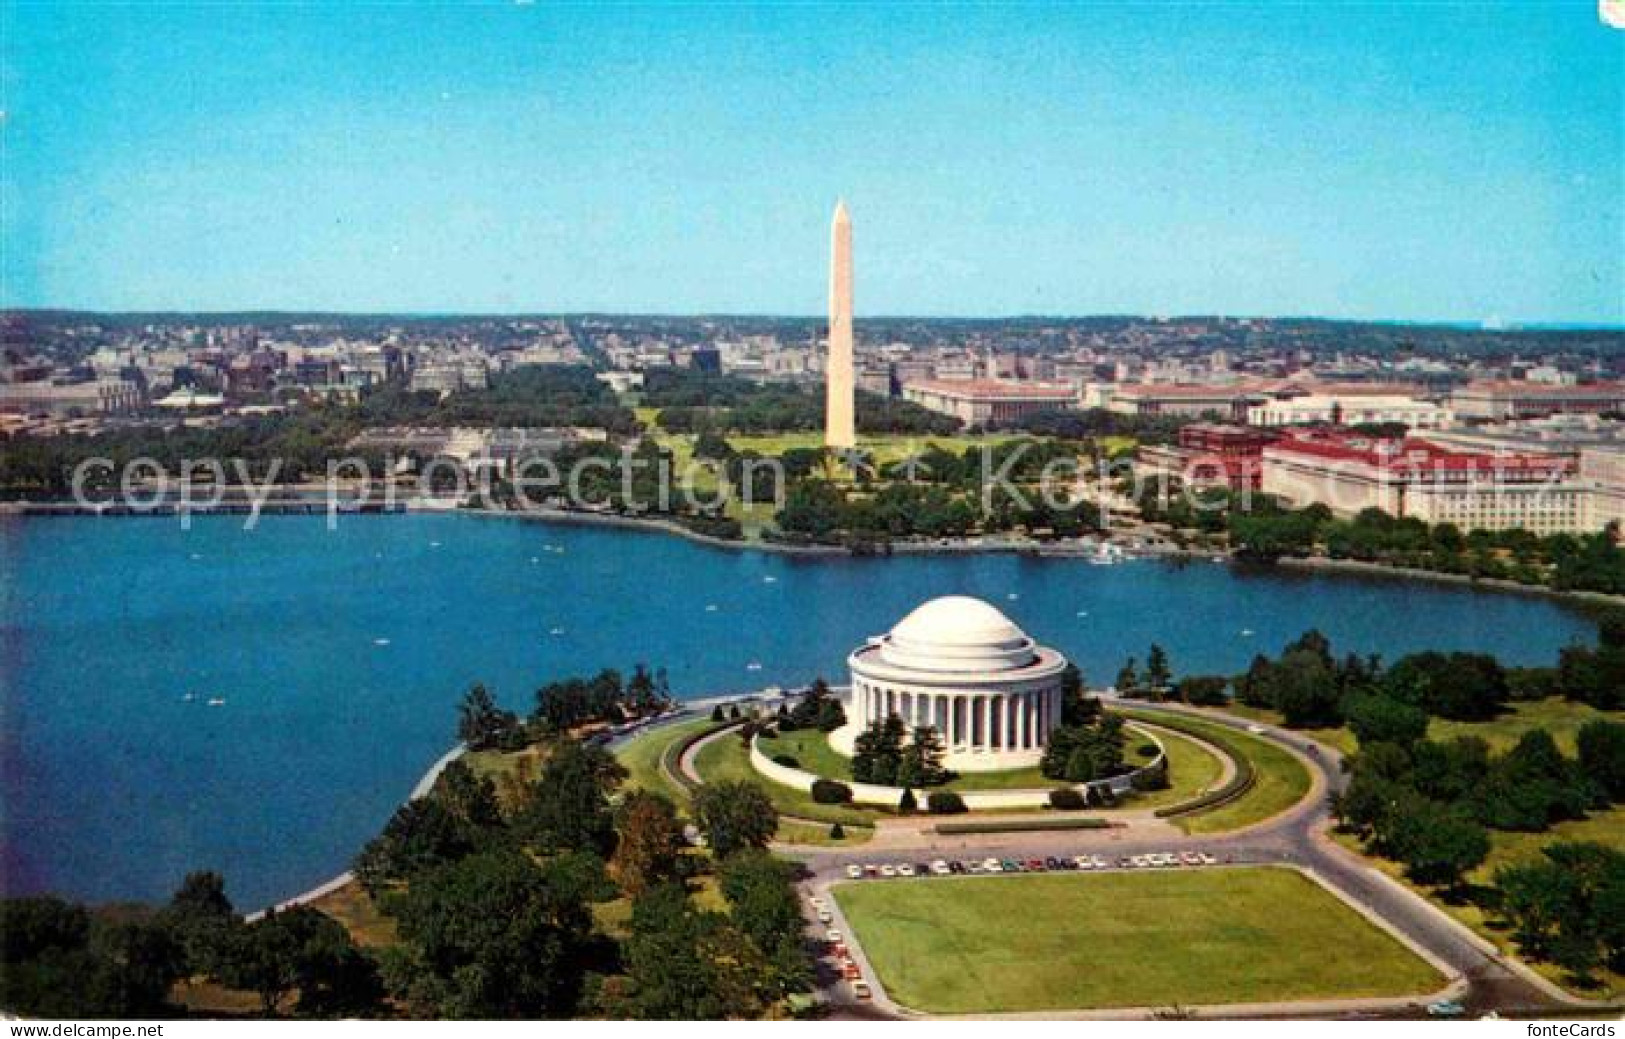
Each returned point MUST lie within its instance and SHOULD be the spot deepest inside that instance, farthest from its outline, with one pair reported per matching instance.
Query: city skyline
(1449, 164)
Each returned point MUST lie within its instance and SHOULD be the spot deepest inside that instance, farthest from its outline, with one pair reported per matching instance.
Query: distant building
(66, 400)
(1518, 399)
(982, 401)
(1182, 400)
(1213, 454)
(1349, 410)
(1349, 473)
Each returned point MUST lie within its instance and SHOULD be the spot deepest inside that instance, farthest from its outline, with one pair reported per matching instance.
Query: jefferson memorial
(960, 665)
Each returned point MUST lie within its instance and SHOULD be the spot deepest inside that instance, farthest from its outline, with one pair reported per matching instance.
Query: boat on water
(380, 642)
(217, 701)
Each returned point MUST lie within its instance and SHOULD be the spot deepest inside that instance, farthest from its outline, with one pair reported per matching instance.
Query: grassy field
(1508, 848)
(641, 757)
(811, 750)
(727, 759)
(968, 945)
(1340, 738)
(1282, 780)
(1193, 770)
(1561, 718)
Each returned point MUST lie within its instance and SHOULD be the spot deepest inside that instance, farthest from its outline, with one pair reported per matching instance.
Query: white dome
(957, 633)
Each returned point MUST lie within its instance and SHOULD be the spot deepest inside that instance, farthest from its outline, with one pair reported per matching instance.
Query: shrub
(837, 832)
(1148, 750)
(1151, 778)
(787, 760)
(831, 792)
(717, 715)
(1067, 799)
(944, 802)
(908, 804)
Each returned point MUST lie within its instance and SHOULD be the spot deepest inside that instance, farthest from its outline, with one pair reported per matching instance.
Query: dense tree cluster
(1079, 753)
(1568, 908)
(605, 697)
(889, 754)
(692, 402)
(818, 708)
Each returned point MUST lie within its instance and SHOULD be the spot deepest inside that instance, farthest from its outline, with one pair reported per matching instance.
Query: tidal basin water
(335, 660)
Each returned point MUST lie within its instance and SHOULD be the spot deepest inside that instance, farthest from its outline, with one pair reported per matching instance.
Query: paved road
(1296, 837)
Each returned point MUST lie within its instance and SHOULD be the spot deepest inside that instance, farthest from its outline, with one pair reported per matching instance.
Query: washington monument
(840, 428)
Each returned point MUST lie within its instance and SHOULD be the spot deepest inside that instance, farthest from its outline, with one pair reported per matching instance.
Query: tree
(837, 832)
(648, 849)
(734, 815)
(762, 901)
(58, 960)
(484, 726)
(1437, 844)
(1128, 679)
(305, 950)
(717, 715)
(921, 759)
(907, 804)
(493, 936)
(568, 808)
(944, 802)
(1601, 745)
(1202, 690)
(469, 798)
(1158, 676)
(1303, 687)
(201, 918)
(1382, 719)
(1459, 686)
(686, 964)
(1570, 908)
(421, 835)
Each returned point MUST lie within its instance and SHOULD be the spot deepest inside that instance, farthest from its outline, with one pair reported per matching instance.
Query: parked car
(850, 970)
(871, 870)
(1011, 866)
(905, 870)
(1190, 858)
(1139, 861)
(1207, 860)
(1083, 862)
(940, 868)
(860, 989)
(1100, 863)
(993, 865)
(854, 871)
(824, 917)
(1446, 1008)
(888, 870)
(834, 937)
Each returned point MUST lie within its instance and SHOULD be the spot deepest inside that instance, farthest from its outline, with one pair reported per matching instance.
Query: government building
(960, 665)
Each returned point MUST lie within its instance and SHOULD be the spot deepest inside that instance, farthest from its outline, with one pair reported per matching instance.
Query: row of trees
(562, 706)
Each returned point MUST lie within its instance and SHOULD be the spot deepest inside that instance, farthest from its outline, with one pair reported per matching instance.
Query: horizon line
(1476, 325)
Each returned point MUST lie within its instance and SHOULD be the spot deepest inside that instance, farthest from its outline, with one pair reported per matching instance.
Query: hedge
(1024, 826)
(831, 792)
(1239, 783)
(1066, 799)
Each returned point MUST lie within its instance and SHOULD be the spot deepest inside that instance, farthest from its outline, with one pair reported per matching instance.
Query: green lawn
(1339, 737)
(1193, 770)
(641, 757)
(1282, 779)
(811, 750)
(1034, 943)
(1562, 718)
(726, 758)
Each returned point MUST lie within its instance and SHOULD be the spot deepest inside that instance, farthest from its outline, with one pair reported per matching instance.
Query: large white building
(1339, 409)
(958, 664)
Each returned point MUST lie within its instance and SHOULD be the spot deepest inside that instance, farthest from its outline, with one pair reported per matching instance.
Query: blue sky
(1411, 161)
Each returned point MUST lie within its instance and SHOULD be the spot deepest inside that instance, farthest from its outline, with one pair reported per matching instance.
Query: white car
(1190, 858)
(1083, 862)
(1100, 863)
(992, 866)
(905, 870)
(1257, 730)
(825, 917)
(1207, 860)
(854, 871)
(834, 937)
(1139, 861)
(940, 867)
(888, 870)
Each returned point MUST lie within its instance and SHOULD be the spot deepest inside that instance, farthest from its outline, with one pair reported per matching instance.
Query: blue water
(112, 785)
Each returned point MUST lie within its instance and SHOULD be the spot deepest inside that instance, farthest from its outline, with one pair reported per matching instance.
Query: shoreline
(1036, 549)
